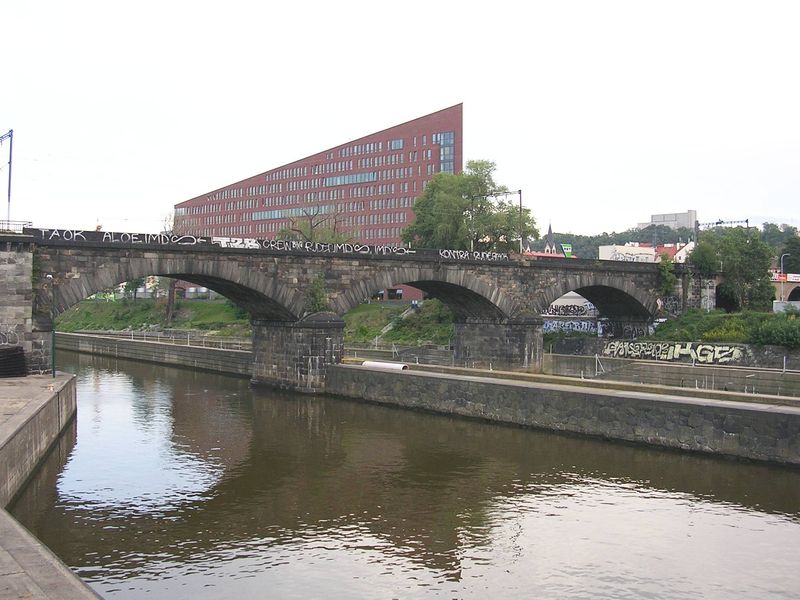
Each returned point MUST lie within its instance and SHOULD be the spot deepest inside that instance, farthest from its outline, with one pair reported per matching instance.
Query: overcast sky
(602, 113)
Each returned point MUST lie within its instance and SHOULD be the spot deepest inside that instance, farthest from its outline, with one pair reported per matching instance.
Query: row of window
(379, 161)
(342, 165)
(240, 204)
(226, 194)
(197, 210)
(376, 219)
(287, 173)
(349, 179)
(403, 202)
(285, 213)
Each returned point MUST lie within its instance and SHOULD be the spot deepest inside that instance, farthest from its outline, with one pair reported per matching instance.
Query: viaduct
(297, 292)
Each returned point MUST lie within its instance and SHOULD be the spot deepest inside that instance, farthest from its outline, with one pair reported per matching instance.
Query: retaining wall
(756, 431)
(236, 362)
(724, 378)
(27, 435)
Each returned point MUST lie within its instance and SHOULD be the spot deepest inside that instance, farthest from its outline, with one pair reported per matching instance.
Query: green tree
(666, 275)
(317, 225)
(132, 287)
(775, 236)
(461, 211)
(704, 258)
(791, 263)
(744, 261)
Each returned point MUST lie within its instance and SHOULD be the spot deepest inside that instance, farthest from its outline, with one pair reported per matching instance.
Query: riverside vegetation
(431, 323)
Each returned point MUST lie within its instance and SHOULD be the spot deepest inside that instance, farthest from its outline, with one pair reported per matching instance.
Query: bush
(782, 330)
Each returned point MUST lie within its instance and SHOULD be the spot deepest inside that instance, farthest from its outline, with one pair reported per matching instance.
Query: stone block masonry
(297, 355)
(755, 431)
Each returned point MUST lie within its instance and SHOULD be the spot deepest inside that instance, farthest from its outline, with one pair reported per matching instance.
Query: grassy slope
(189, 314)
(432, 323)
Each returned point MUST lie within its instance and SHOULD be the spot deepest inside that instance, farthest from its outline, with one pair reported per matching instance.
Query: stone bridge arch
(262, 296)
(466, 295)
(794, 294)
(613, 296)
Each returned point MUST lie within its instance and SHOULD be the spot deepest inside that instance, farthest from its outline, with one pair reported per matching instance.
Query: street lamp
(783, 278)
(52, 282)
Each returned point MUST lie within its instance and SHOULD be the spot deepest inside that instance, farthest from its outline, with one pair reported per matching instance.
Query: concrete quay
(33, 412)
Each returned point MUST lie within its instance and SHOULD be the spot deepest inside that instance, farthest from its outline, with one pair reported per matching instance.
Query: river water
(179, 484)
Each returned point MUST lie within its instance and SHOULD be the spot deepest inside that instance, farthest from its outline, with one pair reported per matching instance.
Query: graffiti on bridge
(670, 304)
(630, 331)
(164, 239)
(8, 335)
(580, 326)
(571, 310)
(706, 354)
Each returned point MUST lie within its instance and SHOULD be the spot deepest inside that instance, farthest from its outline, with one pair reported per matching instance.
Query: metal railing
(13, 226)
(179, 338)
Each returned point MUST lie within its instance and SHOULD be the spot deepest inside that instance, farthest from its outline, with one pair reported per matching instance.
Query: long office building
(365, 188)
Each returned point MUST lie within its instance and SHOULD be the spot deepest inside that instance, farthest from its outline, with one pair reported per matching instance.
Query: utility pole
(783, 275)
(10, 137)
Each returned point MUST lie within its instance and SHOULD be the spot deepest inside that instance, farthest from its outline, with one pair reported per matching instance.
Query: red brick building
(366, 187)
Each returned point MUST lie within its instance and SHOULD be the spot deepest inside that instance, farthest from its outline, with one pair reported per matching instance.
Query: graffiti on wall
(581, 326)
(706, 354)
(571, 310)
(669, 304)
(8, 335)
(163, 239)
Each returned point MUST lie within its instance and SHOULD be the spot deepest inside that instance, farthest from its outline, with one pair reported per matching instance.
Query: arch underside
(794, 295)
(614, 303)
(255, 303)
(258, 304)
(464, 303)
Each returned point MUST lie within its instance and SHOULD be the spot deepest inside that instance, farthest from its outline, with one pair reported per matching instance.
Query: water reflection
(186, 484)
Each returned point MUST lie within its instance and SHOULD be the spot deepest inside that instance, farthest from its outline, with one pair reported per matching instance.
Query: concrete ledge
(755, 431)
(29, 570)
(33, 412)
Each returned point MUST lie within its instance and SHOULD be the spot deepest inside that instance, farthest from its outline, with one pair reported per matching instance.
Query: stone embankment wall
(236, 362)
(744, 380)
(755, 431)
(29, 433)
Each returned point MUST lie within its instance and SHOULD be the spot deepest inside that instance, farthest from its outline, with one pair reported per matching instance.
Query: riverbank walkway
(28, 569)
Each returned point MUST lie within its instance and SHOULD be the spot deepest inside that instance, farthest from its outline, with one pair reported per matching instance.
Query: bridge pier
(511, 344)
(295, 355)
(21, 325)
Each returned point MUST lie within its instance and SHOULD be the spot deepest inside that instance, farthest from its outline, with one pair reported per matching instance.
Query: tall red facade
(366, 187)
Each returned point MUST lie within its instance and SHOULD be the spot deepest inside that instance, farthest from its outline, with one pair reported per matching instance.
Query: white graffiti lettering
(707, 354)
(553, 325)
(467, 255)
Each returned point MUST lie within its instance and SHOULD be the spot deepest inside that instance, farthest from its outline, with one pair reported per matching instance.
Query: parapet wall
(754, 431)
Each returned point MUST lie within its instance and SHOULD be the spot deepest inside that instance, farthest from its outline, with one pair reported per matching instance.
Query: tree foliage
(316, 225)
(791, 263)
(586, 246)
(132, 287)
(777, 236)
(459, 211)
(743, 259)
(666, 275)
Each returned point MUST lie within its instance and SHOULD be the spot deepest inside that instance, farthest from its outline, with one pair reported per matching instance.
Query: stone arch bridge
(296, 292)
